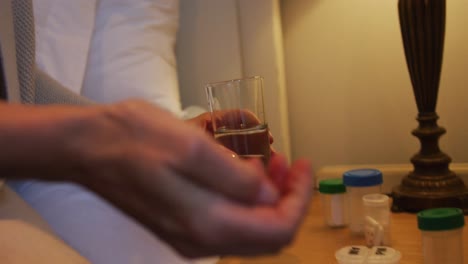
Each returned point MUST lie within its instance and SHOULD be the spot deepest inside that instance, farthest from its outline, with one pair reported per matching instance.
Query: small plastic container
(364, 255)
(359, 183)
(383, 255)
(332, 194)
(442, 238)
(376, 219)
(352, 255)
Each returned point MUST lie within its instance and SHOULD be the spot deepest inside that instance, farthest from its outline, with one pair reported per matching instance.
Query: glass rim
(237, 80)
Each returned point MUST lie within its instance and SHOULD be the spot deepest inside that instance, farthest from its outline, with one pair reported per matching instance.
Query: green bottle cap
(440, 219)
(331, 186)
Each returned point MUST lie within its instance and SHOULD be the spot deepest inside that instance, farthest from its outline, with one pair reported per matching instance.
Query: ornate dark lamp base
(419, 192)
(431, 184)
(405, 200)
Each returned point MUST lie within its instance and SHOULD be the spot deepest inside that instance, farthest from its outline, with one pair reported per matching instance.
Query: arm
(169, 176)
(35, 140)
(89, 144)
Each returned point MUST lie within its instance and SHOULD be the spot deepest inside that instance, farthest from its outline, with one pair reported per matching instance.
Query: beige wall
(349, 94)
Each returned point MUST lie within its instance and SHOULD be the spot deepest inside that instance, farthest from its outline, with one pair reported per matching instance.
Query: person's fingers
(236, 118)
(273, 152)
(204, 122)
(191, 224)
(238, 179)
(229, 152)
(298, 190)
(260, 229)
(267, 229)
(196, 156)
(205, 223)
(264, 197)
(233, 117)
(278, 172)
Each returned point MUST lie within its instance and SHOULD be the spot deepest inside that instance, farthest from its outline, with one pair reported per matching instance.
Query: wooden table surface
(316, 243)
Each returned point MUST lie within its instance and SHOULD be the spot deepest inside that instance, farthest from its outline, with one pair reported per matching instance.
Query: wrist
(37, 141)
(90, 137)
(98, 144)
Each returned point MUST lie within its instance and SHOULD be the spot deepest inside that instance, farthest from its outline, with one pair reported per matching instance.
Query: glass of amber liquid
(238, 116)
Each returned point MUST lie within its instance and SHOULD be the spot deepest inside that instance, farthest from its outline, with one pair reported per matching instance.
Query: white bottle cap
(352, 255)
(383, 255)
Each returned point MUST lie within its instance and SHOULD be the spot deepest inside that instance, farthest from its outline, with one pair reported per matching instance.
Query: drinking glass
(238, 116)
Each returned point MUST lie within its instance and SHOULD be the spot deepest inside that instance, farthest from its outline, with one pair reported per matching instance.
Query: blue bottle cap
(362, 178)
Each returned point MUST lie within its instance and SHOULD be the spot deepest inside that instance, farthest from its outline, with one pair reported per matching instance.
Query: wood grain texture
(316, 243)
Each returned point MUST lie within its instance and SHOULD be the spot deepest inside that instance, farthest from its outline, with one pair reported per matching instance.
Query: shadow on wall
(207, 48)
(299, 11)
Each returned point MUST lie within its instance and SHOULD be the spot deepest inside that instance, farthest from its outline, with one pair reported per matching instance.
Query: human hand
(178, 183)
(205, 122)
(202, 121)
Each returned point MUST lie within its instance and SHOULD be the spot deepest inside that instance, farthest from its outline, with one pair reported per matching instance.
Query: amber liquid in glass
(247, 143)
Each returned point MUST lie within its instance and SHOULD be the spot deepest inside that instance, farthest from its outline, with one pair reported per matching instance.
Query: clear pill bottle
(442, 238)
(332, 194)
(359, 183)
(377, 219)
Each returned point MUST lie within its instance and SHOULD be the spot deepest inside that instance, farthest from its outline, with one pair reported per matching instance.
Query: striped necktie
(17, 49)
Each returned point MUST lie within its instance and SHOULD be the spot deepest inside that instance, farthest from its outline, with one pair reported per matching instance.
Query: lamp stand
(431, 184)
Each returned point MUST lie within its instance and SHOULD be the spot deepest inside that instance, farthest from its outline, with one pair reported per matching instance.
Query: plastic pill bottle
(359, 183)
(333, 195)
(364, 255)
(377, 219)
(442, 238)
